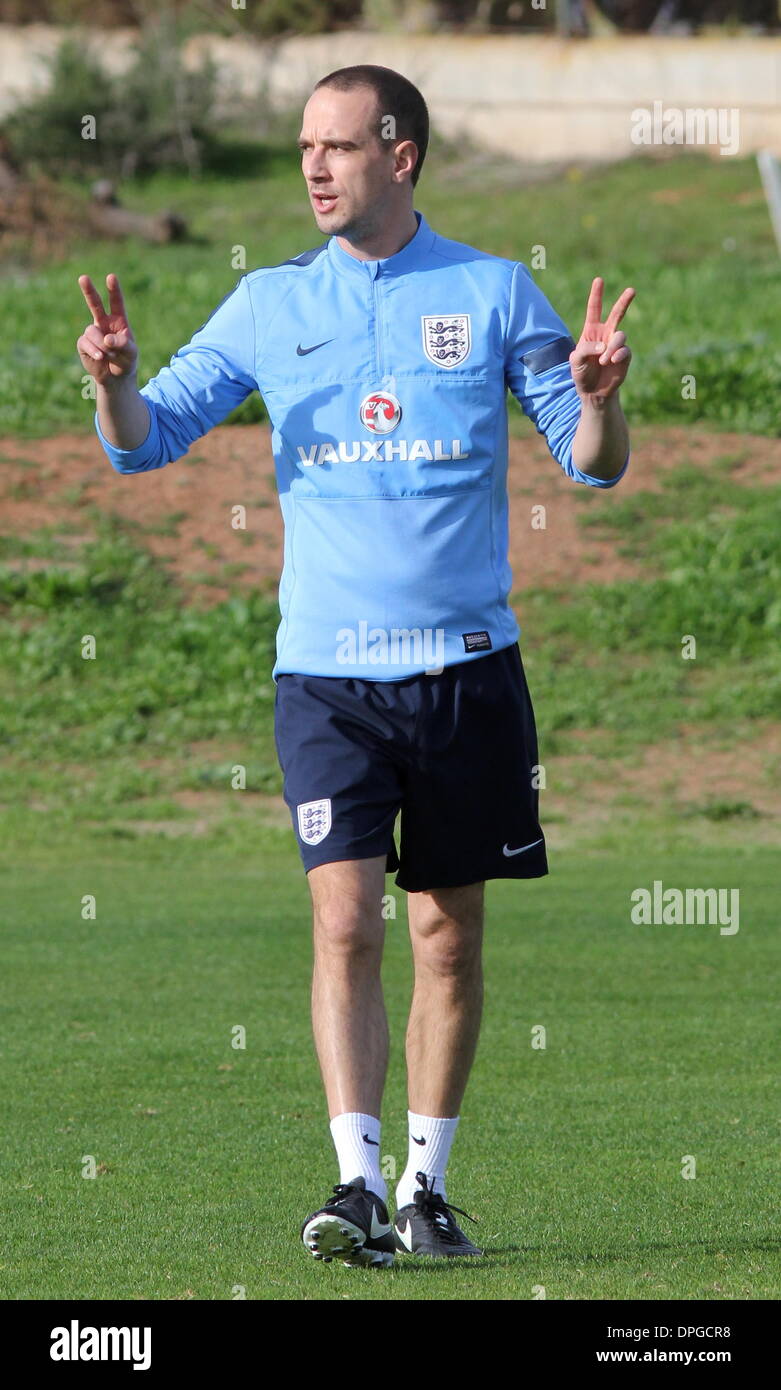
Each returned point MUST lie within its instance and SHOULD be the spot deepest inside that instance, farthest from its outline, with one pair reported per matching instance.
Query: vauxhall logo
(380, 412)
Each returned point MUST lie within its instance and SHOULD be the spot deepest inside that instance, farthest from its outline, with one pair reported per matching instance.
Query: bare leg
(446, 929)
(348, 1011)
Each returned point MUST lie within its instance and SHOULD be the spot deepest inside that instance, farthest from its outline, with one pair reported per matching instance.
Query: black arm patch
(552, 355)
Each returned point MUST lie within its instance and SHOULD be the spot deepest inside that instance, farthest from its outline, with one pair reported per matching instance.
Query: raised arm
(109, 353)
(570, 391)
(599, 363)
(203, 382)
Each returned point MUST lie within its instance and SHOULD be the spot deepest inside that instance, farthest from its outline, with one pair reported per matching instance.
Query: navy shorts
(455, 753)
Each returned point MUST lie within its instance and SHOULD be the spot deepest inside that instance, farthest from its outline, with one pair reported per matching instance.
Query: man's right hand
(107, 347)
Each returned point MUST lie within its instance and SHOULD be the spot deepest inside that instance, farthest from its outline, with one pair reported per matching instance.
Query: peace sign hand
(107, 347)
(601, 357)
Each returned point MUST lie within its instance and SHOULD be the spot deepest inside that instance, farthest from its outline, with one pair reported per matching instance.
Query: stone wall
(538, 98)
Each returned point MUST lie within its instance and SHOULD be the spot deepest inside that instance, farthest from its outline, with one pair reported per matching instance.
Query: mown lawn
(660, 1049)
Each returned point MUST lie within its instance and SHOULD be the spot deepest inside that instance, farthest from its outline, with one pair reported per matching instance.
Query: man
(384, 357)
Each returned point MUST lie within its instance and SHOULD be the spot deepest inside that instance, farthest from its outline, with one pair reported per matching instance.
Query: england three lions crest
(314, 820)
(447, 338)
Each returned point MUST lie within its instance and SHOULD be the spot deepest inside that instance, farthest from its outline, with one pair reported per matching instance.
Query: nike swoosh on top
(378, 1228)
(509, 852)
(302, 352)
(367, 1140)
(418, 1141)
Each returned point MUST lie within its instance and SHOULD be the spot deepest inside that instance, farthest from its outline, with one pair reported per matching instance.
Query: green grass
(160, 672)
(687, 491)
(705, 268)
(118, 1045)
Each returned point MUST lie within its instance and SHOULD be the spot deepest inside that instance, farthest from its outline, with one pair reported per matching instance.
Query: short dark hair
(395, 96)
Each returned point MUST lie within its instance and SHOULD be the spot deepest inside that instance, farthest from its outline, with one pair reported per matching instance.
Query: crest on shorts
(447, 338)
(314, 820)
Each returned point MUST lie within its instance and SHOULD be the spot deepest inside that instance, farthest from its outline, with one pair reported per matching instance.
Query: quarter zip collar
(398, 264)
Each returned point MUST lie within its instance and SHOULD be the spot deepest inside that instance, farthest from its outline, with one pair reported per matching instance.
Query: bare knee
(447, 946)
(347, 909)
(348, 930)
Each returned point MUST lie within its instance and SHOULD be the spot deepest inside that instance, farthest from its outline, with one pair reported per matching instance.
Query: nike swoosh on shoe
(405, 1236)
(378, 1228)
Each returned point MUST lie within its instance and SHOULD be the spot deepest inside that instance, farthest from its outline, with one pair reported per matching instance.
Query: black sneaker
(354, 1223)
(426, 1225)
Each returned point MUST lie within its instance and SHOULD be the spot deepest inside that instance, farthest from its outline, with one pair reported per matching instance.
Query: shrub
(158, 114)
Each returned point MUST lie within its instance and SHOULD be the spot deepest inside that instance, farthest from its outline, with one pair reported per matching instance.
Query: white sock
(357, 1140)
(429, 1157)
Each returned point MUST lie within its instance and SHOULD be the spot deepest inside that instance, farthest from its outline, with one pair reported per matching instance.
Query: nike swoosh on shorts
(510, 852)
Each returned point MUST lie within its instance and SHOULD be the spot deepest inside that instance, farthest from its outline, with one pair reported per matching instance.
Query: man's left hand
(601, 358)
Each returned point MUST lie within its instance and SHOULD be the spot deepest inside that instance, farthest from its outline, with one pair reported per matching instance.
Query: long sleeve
(537, 371)
(205, 381)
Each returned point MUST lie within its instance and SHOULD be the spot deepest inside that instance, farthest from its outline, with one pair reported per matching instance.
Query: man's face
(350, 173)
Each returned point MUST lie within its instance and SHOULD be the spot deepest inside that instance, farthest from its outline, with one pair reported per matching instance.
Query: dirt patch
(168, 829)
(184, 513)
(721, 789)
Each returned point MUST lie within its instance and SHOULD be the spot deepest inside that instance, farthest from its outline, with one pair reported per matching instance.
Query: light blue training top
(385, 382)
